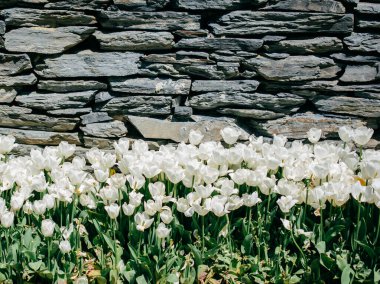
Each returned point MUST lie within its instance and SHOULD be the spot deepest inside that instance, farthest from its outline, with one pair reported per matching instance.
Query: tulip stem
(203, 235)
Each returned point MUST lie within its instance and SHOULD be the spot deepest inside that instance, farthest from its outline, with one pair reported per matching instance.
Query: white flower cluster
(143, 184)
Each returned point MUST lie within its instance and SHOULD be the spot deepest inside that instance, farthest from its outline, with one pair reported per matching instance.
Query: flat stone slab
(45, 40)
(152, 128)
(139, 105)
(363, 42)
(368, 8)
(368, 24)
(259, 23)
(11, 64)
(71, 112)
(205, 86)
(7, 95)
(322, 6)
(18, 81)
(216, 4)
(34, 137)
(81, 5)
(360, 73)
(258, 114)
(111, 129)
(25, 17)
(54, 101)
(135, 40)
(151, 86)
(70, 86)
(305, 46)
(154, 21)
(220, 43)
(90, 64)
(294, 68)
(94, 117)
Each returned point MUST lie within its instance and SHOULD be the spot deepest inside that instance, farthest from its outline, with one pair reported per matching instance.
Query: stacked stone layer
(92, 71)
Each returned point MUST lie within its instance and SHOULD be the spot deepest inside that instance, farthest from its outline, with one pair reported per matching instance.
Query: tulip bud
(47, 227)
(112, 210)
(7, 219)
(65, 246)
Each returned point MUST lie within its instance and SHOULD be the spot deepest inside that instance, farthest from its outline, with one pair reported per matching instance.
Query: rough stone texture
(296, 126)
(359, 73)
(304, 46)
(75, 112)
(324, 6)
(55, 101)
(216, 4)
(11, 64)
(23, 118)
(155, 21)
(105, 129)
(220, 43)
(368, 8)
(251, 113)
(90, 64)
(45, 40)
(135, 40)
(7, 95)
(17, 81)
(258, 23)
(94, 117)
(294, 68)
(363, 42)
(355, 59)
(224, 86)
(139, 105)
(369, 24)
(24, 17)
(2, 27)
(151, 86)
(179, 131)
(70, 86)
(78, 4)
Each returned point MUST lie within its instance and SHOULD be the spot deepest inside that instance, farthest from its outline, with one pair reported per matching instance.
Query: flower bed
(198, 212)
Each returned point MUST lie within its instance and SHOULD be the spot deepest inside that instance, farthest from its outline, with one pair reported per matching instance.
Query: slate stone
(348, 105)
(191, 33)
(34, 137)
(157, 3)
(135, 40)
(70, 86)
(130, 4)
(223, 70)
(363, 42)
(2, 27)
(139, 105)
(94, 117)
(220, 43)
(107, 144)
(102, 97)
(258, 114)
(114, 129)
(359, 73)
(17, 81)
(25, 17)
(81, 5)
(13, 3)
(305, 46)
(7, 95)
(11, 64)
(45, 40)
(54, 101)
(323, 6)
(182, 113)
(159, 69)
(368, 24)
(151, 86)
(152, 128)
(19, 117)
(294, 68)
(154, 21)
(297, 125)
(281, 102)
(224, 86)
(366, 8)
(175, 58)
(71, 112)
(259, 23)
(90, 64)
(355, 58)
(216, 4)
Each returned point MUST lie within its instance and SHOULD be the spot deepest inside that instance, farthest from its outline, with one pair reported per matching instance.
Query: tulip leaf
(35, 266)
(321, 247)
(346, 275)
(141, 280)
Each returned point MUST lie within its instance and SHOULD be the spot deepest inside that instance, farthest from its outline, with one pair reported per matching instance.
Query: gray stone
(258, 114)
(135, 40)
(91, 64)
(184, 54)
(151, 86)
(82, 5)
(224, 86)
(216, 4)
(257, 23)
(33, 137)
(70, 86)
(102, 97)
(130, 4)
(179, 131)
(104, 144)
(113, 129)
(281, 102)
(7, 95)
(294, 68)
(11, 64)
(359, 73)
(220, 43)
(2, 27)
(182, 113)
(69, 111)
(94, 117)
(13, 3)
(191, 33)
(25, 17)
(223, 70)
(304, 46)
(19, 117)
(155, 21)
(45, 40)
(363, 42)
(157, 3)
(139, 105)
(297, 126)
(177, 59)
(368, 8)
(54, 101)
(355, 58)
(368, 24)
(323, 6)
(348, 105)
(18, 81)
(159, 69)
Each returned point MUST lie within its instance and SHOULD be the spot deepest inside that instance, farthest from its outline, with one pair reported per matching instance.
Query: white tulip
(121, 147)
(286, 203)
(362, 135)
(39, 207)
(28, 207)
(49, 201)
(65, 246)
(101, 175)
(162, 231)
(135, 198)
(157, 189)
(345, 133)
(166, 215)
(65, 149)
(113, 210)
(314, 134)
(81, 280)
(195, 137)
(17, 200)
(128, 209)
(230, 135)
(7, 219)
(286, 223)
(47, 227)
(7, 143)
(252, 199)
(143, 221)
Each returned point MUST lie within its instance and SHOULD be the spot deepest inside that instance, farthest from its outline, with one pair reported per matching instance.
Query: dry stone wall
(92, 71)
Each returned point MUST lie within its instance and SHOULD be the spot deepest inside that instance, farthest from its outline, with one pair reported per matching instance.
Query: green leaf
(35, 265)
(327, 261)
(367, 249)
(197, 255)
(133, 253)
(376, 276)
(109, 242)
(321, 247)
(247, 244)
(294, 279)
(172, 278)
(141, 280)
(129, 275)
(346, 275)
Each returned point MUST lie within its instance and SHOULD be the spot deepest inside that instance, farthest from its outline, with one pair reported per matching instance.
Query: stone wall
(91, 71)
